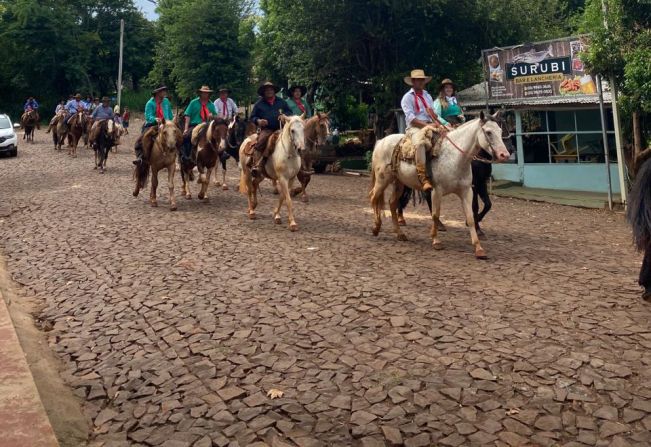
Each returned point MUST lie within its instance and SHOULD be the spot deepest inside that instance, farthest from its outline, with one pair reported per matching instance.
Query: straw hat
(78, 96)
(445, 82)
(416, 74)
(205, 89)
(265, 85)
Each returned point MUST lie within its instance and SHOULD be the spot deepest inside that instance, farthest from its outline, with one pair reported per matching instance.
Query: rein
(476, 158)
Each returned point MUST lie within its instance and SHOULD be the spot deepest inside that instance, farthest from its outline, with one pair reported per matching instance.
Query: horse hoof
(173, 207)
(95, 167)
(480, 254)
(154, 203)
(293, 227)
(252, 216)
(188, 196)
(135, 193)
(402, 237)
(277, 220)
(224, 187)
(401, 221)
(437, 245)
(304, 199)
(376, 231)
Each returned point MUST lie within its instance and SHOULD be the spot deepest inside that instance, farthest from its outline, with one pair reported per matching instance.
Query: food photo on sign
(545, 69)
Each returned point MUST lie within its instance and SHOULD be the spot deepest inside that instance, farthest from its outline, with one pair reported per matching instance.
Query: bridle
(476, 157)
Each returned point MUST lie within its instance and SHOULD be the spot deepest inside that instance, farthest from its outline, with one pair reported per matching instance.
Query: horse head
(217, 133)
(169, 135)
(294, 128)
(490, 137)
(323, 128)
(233, 134)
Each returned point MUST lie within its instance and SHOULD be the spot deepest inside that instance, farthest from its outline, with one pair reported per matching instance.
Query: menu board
(545, 69)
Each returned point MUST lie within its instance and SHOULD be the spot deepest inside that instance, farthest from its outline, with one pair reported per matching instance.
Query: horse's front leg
(185, 178)
(398, 188)
(204, 185)
(224, 185)
(281, 186)
(154, 186)
(252, 193)
(466, 204)
(437, 196)
(170, 184)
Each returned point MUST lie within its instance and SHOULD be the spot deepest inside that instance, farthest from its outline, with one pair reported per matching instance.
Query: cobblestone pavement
(174, 326)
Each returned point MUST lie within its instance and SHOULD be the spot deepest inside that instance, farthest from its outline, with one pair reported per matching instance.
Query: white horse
(282, 167)
(450, 171)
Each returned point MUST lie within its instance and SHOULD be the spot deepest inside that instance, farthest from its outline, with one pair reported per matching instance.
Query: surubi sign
(552, 68)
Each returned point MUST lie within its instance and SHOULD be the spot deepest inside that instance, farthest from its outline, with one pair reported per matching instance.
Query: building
(558, 140)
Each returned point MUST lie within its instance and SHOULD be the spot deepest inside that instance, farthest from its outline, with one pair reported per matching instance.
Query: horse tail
(243, 188)
(639, 206)
(407, 194)
(370, 191)
(141, 174)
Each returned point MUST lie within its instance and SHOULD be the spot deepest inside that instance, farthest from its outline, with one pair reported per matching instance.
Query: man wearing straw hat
(417, 104)
(200, 110)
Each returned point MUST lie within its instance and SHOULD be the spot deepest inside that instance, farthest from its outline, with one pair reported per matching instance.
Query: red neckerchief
(418, 96)
(224, 102)
(270, 101)
(159, 109)
(204, 111)
(300, 105)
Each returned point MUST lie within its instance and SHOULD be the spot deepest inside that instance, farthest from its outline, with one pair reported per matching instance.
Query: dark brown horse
(59, 129)
(238, 130)
(208, 142)
(76, 127)
(317, 129)
(102, 136)
(28, 122)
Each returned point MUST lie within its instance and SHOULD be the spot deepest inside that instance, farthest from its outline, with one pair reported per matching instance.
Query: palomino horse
(102, 137)
(59, 129)
(160, 148)
(317, 129)
(282, 166)
(76, 128)
(209, 141)
(450, 170)
(28, 122)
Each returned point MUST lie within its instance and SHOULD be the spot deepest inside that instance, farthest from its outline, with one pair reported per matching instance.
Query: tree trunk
(637, 134)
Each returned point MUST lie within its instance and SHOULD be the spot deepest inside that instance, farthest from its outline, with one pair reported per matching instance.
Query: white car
(8, 138)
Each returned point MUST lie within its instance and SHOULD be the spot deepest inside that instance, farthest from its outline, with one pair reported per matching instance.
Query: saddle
(405, 150)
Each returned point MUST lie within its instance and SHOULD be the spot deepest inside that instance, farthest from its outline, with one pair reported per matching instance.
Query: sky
(148, 8)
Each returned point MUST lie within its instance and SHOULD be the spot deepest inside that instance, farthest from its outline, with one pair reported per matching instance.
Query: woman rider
(296, 102)
(157, 110)
(446, 105)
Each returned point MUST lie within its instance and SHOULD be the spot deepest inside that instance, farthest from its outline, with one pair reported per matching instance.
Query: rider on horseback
(200, 110)
(446, 105)
(32, 104)
(265, 115)
(225, 106)
(101, 113)
(73, 106)
(417, 104)
(157, 110)
(297, 103)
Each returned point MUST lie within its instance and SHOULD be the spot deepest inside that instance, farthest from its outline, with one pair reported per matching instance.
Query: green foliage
(203, 42)
(350, 47)
(52, 48)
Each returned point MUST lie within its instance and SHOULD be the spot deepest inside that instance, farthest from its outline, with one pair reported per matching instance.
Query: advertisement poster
(545, 69)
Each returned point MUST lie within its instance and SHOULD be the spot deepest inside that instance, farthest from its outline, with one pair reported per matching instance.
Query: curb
(23, 420)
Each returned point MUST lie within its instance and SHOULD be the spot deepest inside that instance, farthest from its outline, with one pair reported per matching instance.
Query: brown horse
(102, 136)
(59, 129)
(76, 127)
(208, 142)
(28, 122)
(86, 135)
(317, 129)
(160, 147)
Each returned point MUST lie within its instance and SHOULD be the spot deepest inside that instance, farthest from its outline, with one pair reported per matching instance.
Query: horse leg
(482, 191)
(170, 184)
(281, 186)
(154, 187)
(185, 176)
(437, 196)
(466, 204)
(380, 181)
(393, 206)
(224, 185)
(293, 226)
(252, 193)
(206, 184)
(274, 183)
(305, 180)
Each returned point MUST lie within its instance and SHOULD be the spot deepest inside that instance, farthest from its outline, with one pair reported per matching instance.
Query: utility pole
(120, 64)
(616, 122)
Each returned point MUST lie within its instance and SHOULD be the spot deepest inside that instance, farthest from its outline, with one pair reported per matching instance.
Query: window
(565, 136)
(4, 123)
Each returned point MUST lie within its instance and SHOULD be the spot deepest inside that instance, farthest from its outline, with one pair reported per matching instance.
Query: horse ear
(482, 117)
(497, 115)
(303, 116)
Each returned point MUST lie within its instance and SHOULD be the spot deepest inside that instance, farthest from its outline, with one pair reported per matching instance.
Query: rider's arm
(255, 114)
(437, 110)
(408, 110)
(234, 104)
(418, 123)
(286, 109)
(167, 109)
(150, 112)
(187, 123)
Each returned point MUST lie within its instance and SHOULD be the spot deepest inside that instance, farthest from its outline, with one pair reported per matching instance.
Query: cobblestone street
(174, 326)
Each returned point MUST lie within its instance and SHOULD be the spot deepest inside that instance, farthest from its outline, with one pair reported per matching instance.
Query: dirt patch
(62, 406)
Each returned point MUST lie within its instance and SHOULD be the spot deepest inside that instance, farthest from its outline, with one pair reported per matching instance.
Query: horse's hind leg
(393, 206)
(224, 185)
(185, 177)
(466, 204)
(436, 216)
(482, 192)
(154, 186)
(170, 183)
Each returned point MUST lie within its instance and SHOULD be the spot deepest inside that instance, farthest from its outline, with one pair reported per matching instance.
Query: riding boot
(259, 166)
(422, 177)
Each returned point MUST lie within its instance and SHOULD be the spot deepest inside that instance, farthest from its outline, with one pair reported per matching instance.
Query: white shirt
(231, 108)
(408, 105)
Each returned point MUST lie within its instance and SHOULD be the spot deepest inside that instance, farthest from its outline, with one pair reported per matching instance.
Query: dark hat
(445, 82)
(105, 98)
(265, 85)
(78, 96)
(294, 87)
(160, 88)
(224, 89)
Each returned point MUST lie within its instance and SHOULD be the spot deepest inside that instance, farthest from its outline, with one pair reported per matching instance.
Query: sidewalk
(579, 199)
(23, 421)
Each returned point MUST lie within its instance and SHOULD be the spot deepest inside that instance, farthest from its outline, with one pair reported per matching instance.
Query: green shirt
(150, 110)
(297, 111)
(194, 111)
